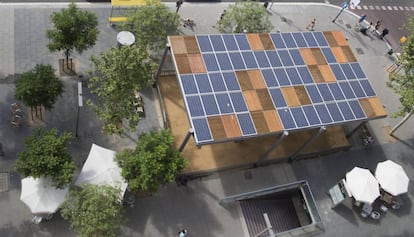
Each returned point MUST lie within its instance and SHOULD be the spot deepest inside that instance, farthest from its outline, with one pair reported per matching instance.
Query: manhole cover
(348, 26)
(359, 50)
(4, 181)
(248, 174)
(341, 21)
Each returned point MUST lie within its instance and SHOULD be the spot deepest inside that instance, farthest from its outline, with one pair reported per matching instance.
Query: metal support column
(355, 129)
(320, 131)
(277, 142)
(158, 72)
(187, 137)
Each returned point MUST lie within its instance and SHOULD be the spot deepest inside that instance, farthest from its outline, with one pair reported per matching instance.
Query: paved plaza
(195, 206)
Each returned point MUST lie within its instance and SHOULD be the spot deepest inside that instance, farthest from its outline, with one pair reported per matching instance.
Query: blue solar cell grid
(231, 81)
(282, 77)
(348, 71)
(329, 56)
(237, 61)
(261, 59)
(356, 87)
(230, 42)
(310, 39)
(287, 119)
(217, 42)
(210, 105)
(367, 87)
(202, 133)
(204, 43)
(297, 58)
(269, 78)
(336, 91)
(203, 83)
(210, 62)
(357, 109)
(224, 103)
(277, 97)
(320, 38)
(285, 57)
(249, 60)
(314, 94)
(299, 117)
(294, 76)
(224, 61)
(336, 69)
(274, 58)
(300, 41)
(242, 42)
(194, 104)
(335, 112)
(311, 114)
(217, 82)
(246, 124)
(346, 110)
(358, 70)
(288, 38)
(278, 41)
(189, 84)
(323, 113)
(305, 75)
(238, 102)
(346, 88)
(325, 92)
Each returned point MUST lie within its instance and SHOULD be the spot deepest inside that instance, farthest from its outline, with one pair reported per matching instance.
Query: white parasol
(363, 185)
(392, 177)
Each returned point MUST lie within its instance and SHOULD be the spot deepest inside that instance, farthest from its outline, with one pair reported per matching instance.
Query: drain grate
(248, 174)
(348, 26)
(4, 181)
(359, 51)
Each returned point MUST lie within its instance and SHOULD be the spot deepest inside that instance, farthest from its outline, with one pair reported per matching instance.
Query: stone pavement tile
(7, 43)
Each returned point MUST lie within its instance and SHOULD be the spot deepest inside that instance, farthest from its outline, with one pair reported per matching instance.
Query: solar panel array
(325, 88)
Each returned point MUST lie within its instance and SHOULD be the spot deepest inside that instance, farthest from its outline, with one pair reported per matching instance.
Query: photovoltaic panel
(224, 61)
(305, 75)
(356, 108)
(202, 130)
(210, 105)
(281, 77)
(189, 84)
(320, 38)
(346, 110)
(249, 60)
(294, 76)
(336, 69)
(237, 61)
(367, 87)
(261, 59)
(230, 42)
(242, 42)
(210, 62)
(204, 43)
(358, 70)
(335, 112)
(217, 82)
(278, 41)
(290, 42)
(285, 57)
(246, 124)
(325, 92)
(346, 88)
(217, 42)
(314, 94)
(269, 78)
(300, 41)
(299, 117)
(323, 113)
(311, 114)
(297, 58)
(238, 102)
(231, 81)
(277, 97)
(194, 104)
(356, 87)
(287, 119)
(336, 91)
(224, 103)
(203, 83)
(274, 58)
(329, 56)
(310, 39)
(349, 74)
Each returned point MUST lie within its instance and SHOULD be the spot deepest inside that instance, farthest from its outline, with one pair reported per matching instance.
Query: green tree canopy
(74, 29)
(39, 87)
(94, 211)
(152, 23)
(119, 74)
(245, 17)
(154, 162)
(47, 155)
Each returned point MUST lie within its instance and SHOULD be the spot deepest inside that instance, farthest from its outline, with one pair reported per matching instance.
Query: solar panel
(217, 42)
(224, 103)
(299, 117)
(300, 41)
(278, 41)
(329, 56)
(231, 81)
(336, 69)
(277, 97)
(346, 110)
(356, 87)
(194, 104)
(273, 58)
(249, 60)
(348, 71)
(210, 104)
(323, 113)
(297, 58)
(230, 42)
(189, 84)
(357, 109)
(237, 60)
(261, 59)
(281, 77)
(286, 118)
(310, 40)
(290, 42)
(320, 38)
(242, 42)
(238, 102)
(336, 91)
(357, 70)
(346, 88)
(204, 43)
(325, 92)
(269, 78)
(203, 83)
(210, 62)
(314, 94)
(202, 130)
(311, 115)
(246, 124)
(335, 112)
(224, 61)
(305, 75)
(367, 87)
(294, 76)
(285, 57)
(217, 82)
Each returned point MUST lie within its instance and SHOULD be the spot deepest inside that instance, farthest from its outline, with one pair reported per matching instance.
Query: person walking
(378, 25)
(385, 32)
(182, 233)
(266, 4)
(311, 25)
(362, 18)
(178, 4)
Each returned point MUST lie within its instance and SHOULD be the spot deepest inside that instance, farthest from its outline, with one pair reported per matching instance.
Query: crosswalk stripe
(389, 8)
(358, 7)
(401, 8)
(395, 8)
(384, 8)
(407, 8)
(412, 8)
(371, 7)
(365, 7)
(377, 8)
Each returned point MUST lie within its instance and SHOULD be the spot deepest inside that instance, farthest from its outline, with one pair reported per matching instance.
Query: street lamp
(80, 104)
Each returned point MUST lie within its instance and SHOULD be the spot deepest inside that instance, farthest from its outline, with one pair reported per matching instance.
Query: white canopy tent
(362, 185)
(101, 169)
(392, 177)
(41, 196)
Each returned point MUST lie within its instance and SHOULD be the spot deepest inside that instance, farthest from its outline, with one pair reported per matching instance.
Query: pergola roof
(237, 86)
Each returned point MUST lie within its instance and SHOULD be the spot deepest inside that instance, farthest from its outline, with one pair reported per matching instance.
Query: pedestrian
(385, 32)
(362, 18)
(377, 25)
(178, 4)
(311, 25)
(182, 233)
(223, 14)
(266, 4)
(371, 26)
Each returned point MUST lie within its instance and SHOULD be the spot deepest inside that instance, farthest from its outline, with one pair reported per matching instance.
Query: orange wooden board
(331, 39)
(182, 63)
(348, 53)
(273, 121)
(290, 96)
(373, 107)
(302, 95)
(196, 63)
(307, 56)
(244, 80)
(319, 57)
(231, 126)
(339, 38)
(252, 100)
(216, 127)
(339, 54)
(178, 45)
(326, 73)
(256, 79)
(255, 42)
(260, 122)
(191, 44)
(265, 99)
(316, 73)
(266, 41)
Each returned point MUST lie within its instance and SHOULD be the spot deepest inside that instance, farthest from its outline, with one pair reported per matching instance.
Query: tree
(47, 155)
(154, 162)
(74, 29)
(39, 87)
(94, 211)
(119, 74)
(245, 17)
(152, 23)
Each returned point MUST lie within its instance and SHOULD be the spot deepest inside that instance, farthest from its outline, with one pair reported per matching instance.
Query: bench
(117, 19)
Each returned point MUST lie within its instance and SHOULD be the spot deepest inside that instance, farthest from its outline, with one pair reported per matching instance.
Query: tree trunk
(401, 122)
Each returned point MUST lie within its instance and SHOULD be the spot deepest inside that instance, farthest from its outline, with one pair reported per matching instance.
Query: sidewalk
(196, 206)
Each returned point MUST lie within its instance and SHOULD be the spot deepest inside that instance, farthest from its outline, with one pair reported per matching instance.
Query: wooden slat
(196, 63)
(308, 56)
(216, 127)
(260, 122)
(273, 121)
(191, 44)
(348, 54)
(339, 38)
(252, 100)
(182, 63)
(316, 74)
(330, 38)
(244, 80)
(266, 41)
(265, 99)
(373, 107)
(231, 126)
(339, 54)
(256, 79)
(302, 95)
(178, 45)
(319, 57)
(255, 42)
(290, 96)
(326, 73)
